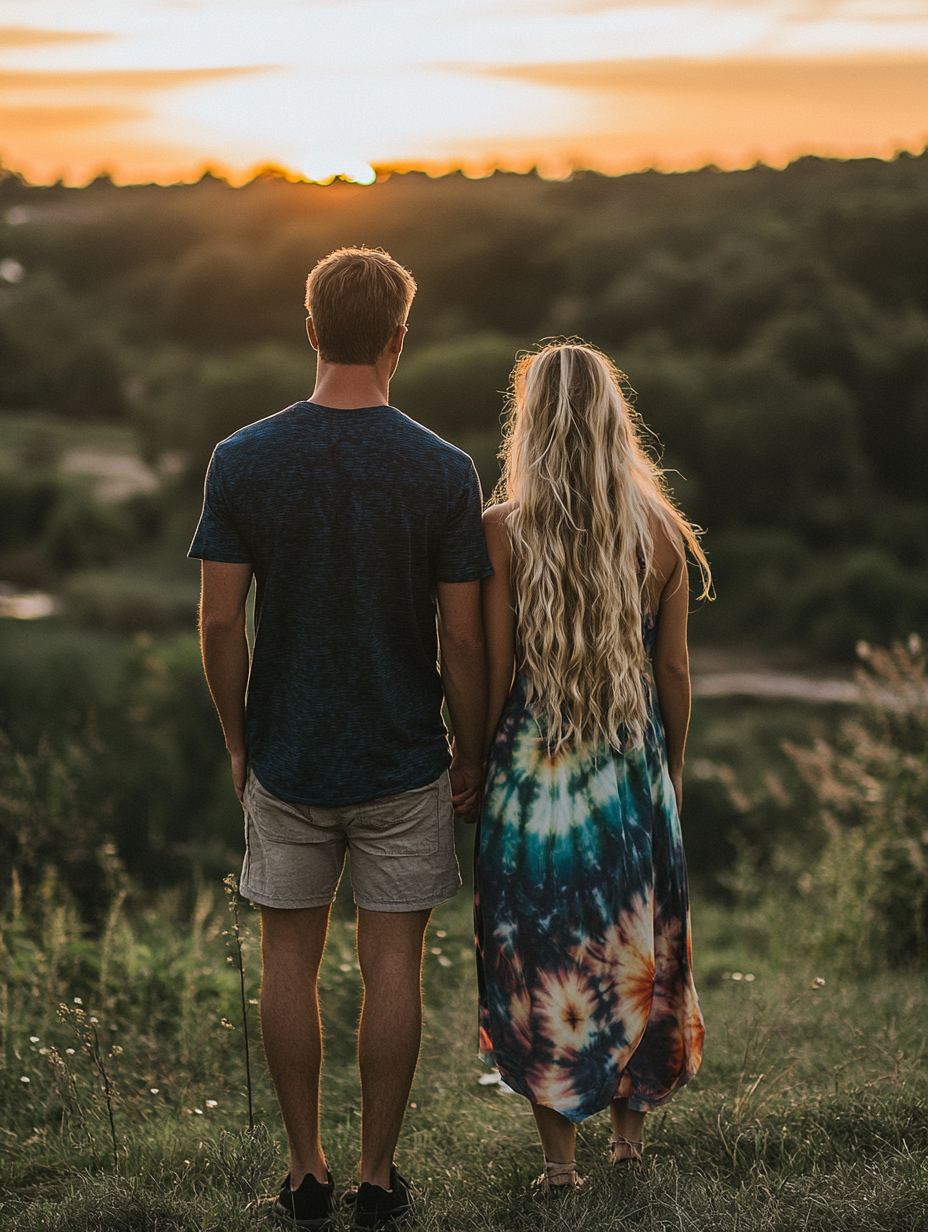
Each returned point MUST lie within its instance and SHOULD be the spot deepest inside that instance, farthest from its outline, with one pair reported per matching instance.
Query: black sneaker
(381, 1208)
(310, 1206)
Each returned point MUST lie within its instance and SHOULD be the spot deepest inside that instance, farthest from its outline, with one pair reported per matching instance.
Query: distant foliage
(191, 408)
(128, 753)
(869, 887)
(773, 323)
(852, 885)
(449, 386)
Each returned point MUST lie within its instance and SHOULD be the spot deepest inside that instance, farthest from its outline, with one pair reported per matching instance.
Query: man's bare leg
(291, 950)
(390, 954)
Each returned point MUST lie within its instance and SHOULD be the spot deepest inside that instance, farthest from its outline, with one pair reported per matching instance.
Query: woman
(586, 992)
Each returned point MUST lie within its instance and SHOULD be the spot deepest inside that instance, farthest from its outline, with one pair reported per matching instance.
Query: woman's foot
(557, 1179)
(626, 1146)
(624, 1153)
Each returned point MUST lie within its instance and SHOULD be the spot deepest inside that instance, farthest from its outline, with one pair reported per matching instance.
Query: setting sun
(150, 90)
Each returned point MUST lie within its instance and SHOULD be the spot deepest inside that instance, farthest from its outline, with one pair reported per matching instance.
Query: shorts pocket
(280, 821)
(407, 824)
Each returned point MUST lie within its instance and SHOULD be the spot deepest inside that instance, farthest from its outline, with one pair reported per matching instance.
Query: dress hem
(634, 1105)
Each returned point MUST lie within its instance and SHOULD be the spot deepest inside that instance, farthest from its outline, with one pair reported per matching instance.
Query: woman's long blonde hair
(586, 497)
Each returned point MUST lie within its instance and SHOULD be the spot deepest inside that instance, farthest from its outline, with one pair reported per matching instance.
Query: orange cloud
(904, 77)
(131, 80)
(26, 36)
(676, 113)
(52, 121)
(888, 12)
(77, 124)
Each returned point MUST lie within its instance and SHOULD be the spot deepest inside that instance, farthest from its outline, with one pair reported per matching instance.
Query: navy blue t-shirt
(348, 518)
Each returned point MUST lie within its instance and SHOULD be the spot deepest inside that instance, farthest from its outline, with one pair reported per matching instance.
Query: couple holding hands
(553, 625)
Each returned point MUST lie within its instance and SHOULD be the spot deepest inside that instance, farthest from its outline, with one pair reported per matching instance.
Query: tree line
(773, 326)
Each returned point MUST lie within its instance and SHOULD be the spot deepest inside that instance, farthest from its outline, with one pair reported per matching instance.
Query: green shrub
(131, 602)
(45, 832)
(854, 888)
(869, 887)
(110, 743)
(26, 503)
(457, 386)
(81, 531)
(192, 406)
(834, 601)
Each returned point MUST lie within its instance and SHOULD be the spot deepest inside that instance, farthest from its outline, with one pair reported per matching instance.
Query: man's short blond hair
(357, 298)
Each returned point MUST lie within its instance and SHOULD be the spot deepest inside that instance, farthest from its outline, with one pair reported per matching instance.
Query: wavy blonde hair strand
(586, 498)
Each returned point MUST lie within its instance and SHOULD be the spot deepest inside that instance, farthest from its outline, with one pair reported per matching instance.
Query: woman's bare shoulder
(497, 532)
(668, 554)
(495, 518)
(498, 513)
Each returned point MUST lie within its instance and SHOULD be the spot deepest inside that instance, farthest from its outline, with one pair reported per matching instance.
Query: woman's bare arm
(499, 619)
(670, 656)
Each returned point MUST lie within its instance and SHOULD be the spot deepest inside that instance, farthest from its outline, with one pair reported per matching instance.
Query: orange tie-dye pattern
(584, 952)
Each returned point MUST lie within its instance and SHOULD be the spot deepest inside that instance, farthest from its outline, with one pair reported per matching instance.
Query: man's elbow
(218, 625)
(466, 644)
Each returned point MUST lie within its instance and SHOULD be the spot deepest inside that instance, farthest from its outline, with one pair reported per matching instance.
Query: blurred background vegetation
(774, 329)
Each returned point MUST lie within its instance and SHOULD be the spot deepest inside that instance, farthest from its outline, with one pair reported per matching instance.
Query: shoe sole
(386, 1220)
(393, 1220)
(326, 1224)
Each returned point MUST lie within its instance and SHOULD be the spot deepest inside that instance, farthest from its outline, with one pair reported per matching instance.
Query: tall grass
(853, 883)
(811, 1110)
(132, 1100)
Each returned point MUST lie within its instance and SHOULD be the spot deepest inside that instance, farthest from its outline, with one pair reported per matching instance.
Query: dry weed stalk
(85, 1028)
(66, 1085)
(237, 959)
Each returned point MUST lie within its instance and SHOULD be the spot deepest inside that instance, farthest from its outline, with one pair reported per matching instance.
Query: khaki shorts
(402, 850)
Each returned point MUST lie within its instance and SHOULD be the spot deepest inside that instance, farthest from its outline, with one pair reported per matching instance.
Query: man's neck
(349, 387)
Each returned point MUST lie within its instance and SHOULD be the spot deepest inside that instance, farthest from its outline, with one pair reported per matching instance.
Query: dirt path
(780, 686)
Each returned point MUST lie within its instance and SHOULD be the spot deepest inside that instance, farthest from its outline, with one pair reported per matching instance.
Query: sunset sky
(160, 89)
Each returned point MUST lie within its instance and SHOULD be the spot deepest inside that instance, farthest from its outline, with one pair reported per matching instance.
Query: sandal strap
(558, 1178)
(636, 1149)
(553, 1169)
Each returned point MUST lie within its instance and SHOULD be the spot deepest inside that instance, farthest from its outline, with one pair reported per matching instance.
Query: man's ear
(311, 334)
(395, 345)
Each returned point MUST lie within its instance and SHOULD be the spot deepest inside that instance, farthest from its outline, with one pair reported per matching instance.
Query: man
(354, 521)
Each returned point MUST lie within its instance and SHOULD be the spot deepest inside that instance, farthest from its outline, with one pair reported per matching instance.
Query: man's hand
(466, 787)
(239, 772)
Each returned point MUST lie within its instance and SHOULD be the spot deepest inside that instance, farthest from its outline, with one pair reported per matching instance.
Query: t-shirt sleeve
(218, 536)
(462, 552)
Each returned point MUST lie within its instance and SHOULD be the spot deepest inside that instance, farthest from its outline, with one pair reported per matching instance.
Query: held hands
(466, 787)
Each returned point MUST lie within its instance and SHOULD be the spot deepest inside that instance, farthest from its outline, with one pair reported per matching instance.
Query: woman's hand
(677, 780)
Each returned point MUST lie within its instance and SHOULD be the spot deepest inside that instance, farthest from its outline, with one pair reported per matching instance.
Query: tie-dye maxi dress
(582, 920)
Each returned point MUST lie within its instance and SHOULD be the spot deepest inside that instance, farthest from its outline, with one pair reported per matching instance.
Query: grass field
(810, 1112)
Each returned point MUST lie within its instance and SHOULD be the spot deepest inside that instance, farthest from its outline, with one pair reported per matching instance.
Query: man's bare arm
(226, 661)
(464, 677)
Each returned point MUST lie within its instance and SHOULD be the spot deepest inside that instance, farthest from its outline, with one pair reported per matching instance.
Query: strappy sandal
(558, 1179)
(633, 1159)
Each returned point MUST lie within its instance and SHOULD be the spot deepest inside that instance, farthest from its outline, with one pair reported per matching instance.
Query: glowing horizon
(161, 90)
